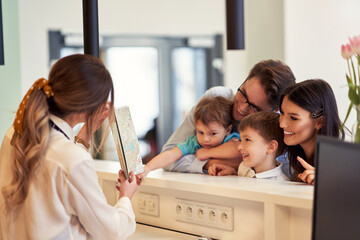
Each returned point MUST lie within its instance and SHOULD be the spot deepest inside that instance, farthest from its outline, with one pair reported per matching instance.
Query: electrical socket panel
(205, 214)
(148, 204)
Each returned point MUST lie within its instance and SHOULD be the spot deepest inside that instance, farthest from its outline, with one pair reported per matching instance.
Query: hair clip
(41, 83)
(317, 113)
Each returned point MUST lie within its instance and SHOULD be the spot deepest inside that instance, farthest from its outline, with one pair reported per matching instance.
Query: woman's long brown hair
(317, 97)
(81, 84)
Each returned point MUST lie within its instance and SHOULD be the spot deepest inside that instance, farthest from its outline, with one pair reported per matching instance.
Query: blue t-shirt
(191, 145)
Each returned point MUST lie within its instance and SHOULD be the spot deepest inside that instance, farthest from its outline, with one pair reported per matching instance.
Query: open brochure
(126, 141)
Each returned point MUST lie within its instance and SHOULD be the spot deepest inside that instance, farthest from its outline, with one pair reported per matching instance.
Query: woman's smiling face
(299, 127)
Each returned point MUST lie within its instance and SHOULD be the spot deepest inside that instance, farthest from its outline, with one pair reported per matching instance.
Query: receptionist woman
(49, 188)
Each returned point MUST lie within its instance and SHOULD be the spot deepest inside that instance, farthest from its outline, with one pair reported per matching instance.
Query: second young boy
(261, 142)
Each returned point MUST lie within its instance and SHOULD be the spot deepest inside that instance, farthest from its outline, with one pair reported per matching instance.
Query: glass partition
(159, 77)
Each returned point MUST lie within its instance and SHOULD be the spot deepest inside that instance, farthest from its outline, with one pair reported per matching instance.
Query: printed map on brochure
(126, 141)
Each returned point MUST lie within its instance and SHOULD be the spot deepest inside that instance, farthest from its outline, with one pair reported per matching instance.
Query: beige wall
(314, 32)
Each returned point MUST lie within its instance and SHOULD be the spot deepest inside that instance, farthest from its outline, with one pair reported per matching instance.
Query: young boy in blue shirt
(213, 125)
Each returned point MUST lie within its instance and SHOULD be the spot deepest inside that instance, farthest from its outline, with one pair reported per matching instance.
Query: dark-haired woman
(49, 188)
(307, 109)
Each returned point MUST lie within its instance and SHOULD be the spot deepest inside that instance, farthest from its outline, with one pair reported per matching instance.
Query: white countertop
(290, 194)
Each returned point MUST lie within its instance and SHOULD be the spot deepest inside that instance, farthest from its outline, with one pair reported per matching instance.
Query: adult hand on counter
(127, 187)
(219, 169)
(233, 162)
(308, 175)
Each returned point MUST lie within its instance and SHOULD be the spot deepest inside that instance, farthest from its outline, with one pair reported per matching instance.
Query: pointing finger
(304, 163)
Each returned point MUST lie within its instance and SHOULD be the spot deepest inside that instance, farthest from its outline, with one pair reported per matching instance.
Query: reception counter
(227, 207)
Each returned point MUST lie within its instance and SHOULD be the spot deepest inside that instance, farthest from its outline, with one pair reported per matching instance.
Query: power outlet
(179, 210)
(189, 212)
(209, 215)
(200, 213)
(225, 217)
(148, 204)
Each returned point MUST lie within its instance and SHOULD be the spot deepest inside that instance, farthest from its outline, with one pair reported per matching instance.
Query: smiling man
(259, 92)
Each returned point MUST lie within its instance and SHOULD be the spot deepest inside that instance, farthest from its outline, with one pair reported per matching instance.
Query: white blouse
(65, 200)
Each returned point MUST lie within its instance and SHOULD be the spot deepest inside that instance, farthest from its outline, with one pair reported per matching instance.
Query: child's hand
(202, 154)
(308, 175)
(140, 176)
(212, 170)
(127, 187)
(219, 169)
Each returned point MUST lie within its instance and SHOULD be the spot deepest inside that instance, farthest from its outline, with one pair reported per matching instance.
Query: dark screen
(336, 212)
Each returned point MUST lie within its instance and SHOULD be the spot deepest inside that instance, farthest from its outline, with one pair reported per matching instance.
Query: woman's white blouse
(65, 200)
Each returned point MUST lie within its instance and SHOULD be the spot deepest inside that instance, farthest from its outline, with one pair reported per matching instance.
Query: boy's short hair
(214, 109)
(267, 125)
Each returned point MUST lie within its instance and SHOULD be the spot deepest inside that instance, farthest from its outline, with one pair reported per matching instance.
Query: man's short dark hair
(275, 77)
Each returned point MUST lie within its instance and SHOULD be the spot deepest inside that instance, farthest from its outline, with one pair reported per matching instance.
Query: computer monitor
(336, 211)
